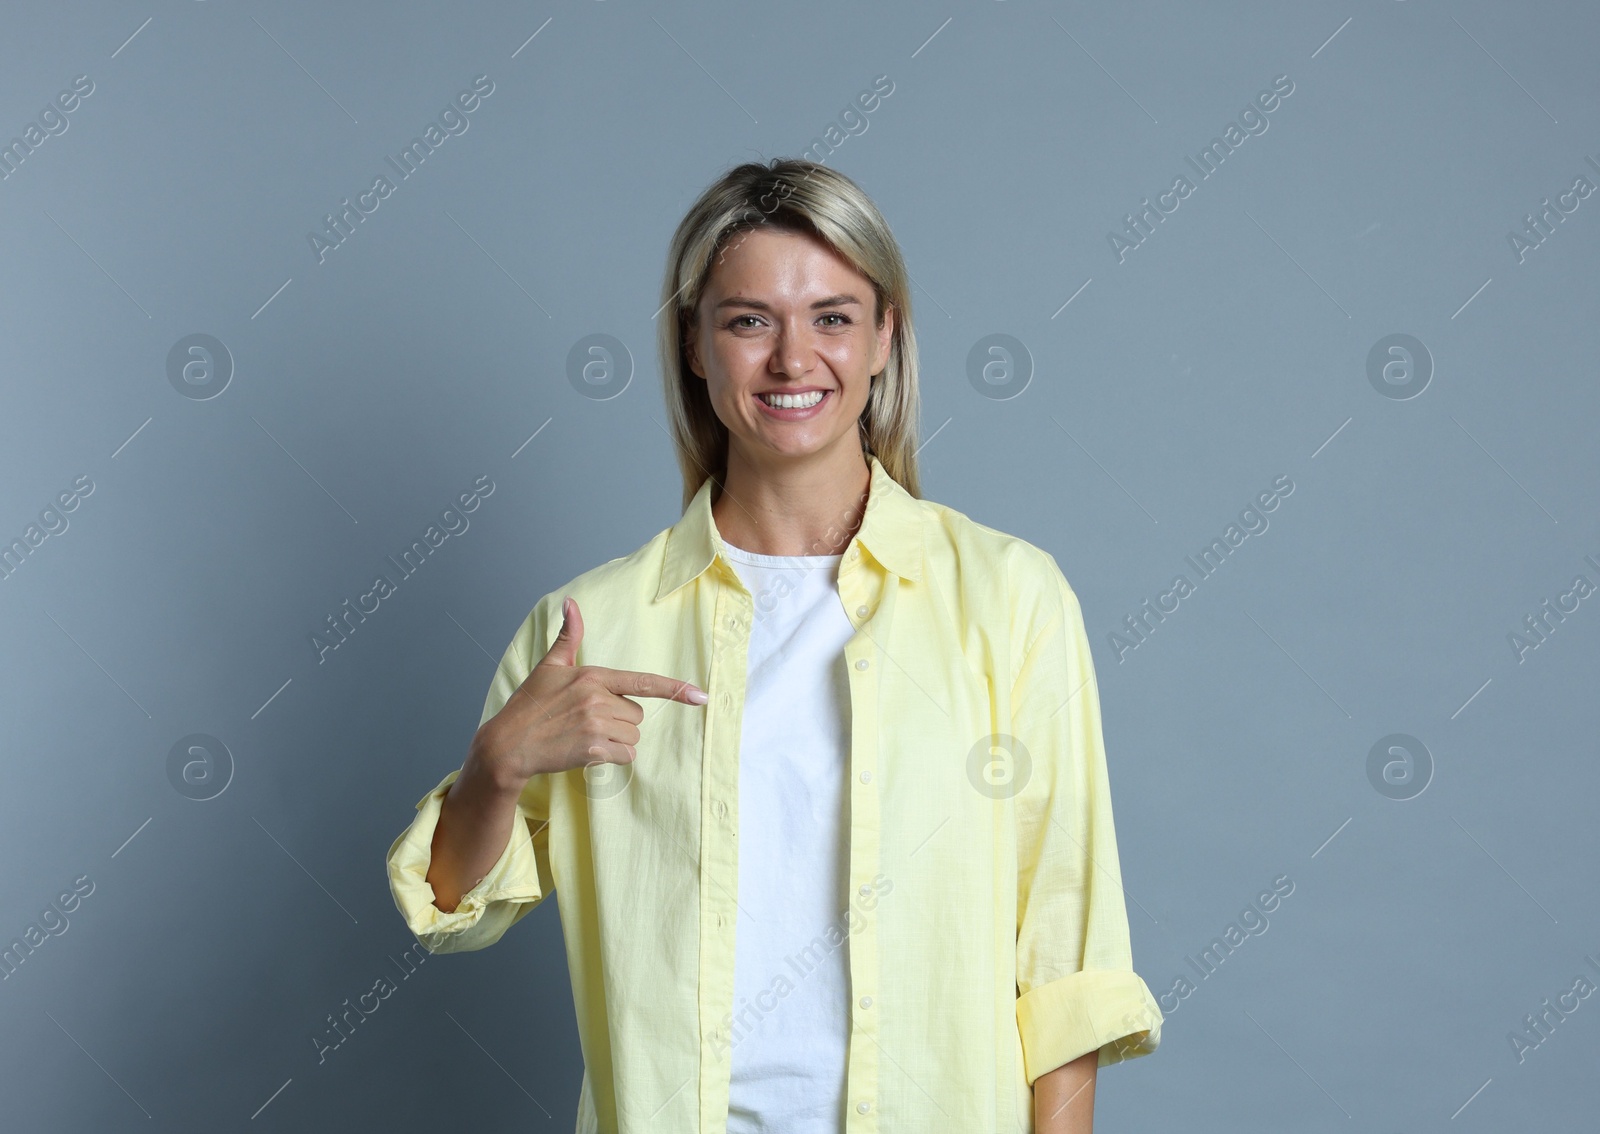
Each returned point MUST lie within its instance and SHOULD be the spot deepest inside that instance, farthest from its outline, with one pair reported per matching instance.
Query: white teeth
(792, 401)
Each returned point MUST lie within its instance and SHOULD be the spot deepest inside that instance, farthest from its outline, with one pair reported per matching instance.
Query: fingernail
(699, 696)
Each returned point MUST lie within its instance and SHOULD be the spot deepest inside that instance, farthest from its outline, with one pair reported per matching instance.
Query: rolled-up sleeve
(521, 878)
(1076, 988)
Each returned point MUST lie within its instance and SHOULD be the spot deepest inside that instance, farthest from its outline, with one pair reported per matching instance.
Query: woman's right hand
(566, 715)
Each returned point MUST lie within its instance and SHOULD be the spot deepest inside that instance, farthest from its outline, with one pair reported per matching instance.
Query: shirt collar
(891, 531)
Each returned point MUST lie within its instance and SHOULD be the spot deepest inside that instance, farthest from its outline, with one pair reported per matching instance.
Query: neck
(794, 506)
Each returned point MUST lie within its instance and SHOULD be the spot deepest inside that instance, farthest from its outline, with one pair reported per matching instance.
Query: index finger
(633, 683)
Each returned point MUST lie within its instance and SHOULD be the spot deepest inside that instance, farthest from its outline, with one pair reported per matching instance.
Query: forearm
(475, 825)
(1063, 1099)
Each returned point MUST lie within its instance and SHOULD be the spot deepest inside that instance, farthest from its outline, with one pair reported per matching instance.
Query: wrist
(487, 774)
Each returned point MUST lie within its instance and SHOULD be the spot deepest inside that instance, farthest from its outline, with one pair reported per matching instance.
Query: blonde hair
(789, 195)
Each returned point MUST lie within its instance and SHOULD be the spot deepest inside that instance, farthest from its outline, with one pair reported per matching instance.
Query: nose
(792, 353)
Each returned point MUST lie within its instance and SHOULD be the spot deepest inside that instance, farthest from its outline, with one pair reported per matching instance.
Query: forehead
(780, 263)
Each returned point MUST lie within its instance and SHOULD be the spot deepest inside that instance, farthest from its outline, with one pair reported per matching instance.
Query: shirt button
(861, 664)
(719, 809)
(866, 891)
(861, 612)
(863, 1107)
(866, 777)
(866, 1002)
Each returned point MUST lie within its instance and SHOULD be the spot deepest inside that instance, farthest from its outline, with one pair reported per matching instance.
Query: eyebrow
(830, 301)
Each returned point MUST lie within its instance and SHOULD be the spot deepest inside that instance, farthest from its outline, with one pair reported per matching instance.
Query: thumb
(565, 649)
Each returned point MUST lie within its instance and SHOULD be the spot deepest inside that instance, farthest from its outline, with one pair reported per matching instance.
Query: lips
(804, 398)
(793, 413)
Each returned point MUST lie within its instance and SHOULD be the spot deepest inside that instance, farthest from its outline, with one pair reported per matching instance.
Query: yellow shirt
(986, 928)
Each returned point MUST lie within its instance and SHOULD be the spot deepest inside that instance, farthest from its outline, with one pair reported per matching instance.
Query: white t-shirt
(791, 987)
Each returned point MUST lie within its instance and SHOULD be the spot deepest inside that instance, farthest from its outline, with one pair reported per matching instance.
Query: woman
(817, 770)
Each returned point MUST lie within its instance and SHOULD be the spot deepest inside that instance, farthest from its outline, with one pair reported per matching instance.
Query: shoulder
(610, 594)
(1013, 586)
(959, 546)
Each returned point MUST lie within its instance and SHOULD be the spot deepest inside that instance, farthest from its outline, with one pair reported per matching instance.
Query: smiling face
(782, 314)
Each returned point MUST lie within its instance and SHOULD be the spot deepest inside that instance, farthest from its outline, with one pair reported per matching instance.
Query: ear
(691, 352)
(885, 340)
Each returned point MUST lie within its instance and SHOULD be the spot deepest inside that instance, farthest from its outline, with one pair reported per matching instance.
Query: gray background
(371, 389)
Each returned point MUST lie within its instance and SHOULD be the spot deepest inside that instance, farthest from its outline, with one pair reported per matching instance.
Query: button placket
(719, 771)
(862, 1072)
